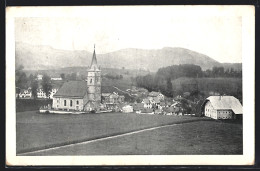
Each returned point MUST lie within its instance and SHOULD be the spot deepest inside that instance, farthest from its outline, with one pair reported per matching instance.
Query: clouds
(219, 37)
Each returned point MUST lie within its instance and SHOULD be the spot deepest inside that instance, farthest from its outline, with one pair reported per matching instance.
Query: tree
(62, 75)
(169, 87)
(20, 79)
(46, 84)
(34, 85)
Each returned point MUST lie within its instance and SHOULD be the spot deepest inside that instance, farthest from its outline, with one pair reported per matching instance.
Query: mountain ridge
(37, 57)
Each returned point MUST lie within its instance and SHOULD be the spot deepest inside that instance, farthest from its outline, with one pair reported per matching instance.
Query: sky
(111, 29)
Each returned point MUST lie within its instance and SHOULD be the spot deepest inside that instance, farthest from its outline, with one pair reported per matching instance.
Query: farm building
(222, 107)
(81, 95)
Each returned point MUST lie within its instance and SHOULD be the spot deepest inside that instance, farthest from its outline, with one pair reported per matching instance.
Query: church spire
(94, 60)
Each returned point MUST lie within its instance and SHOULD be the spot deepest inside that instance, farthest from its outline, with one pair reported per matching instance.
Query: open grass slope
(39, 131)
(193, 138)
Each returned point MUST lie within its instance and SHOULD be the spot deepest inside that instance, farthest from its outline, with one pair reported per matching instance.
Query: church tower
(94, 84)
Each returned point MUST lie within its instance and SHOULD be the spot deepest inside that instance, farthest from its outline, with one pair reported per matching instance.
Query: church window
(65, 103)
(90, 80)
(77, 102)
(70, 102)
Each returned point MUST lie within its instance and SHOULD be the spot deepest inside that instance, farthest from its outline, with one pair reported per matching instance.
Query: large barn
(222, 107)
(81, 95)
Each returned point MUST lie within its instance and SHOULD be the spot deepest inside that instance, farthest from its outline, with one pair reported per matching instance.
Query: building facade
(81, 95)
(222, 107)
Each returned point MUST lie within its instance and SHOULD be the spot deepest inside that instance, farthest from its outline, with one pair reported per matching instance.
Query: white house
(127, 109)
(56, 78)
(42, 95)
(25, 93)
(222, 107)
(147, 103)
(39, 77)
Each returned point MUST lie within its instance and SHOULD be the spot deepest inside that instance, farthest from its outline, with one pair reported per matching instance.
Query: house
(25, 94)
(138, 107)
(222, 107)
(42, 95)
(158, 95)
(112, 98)
(56, 78)
(127, 109)
(81, 95)
(147, 103)
(39, 77)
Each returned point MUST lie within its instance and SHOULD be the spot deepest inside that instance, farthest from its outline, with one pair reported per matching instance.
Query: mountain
(45, 57)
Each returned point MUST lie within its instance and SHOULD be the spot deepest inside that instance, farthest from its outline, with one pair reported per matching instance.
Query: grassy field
(31, 104)
(38, 131)
(194, 138)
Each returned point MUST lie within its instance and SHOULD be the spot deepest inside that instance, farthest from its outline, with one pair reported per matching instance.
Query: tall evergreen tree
(46, 84)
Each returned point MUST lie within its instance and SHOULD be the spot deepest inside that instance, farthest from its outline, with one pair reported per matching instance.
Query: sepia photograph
(130, 85)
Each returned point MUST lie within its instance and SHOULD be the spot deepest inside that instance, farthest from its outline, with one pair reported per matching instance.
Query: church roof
(72, 89)
(94, 61)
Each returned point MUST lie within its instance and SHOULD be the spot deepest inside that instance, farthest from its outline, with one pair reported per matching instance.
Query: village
(88, 96)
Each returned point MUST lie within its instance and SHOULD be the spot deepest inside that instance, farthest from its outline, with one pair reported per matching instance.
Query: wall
(58, 103)
(210, 111)
(224, 114)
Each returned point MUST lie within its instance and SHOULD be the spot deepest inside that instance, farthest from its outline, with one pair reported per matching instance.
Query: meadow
(190, 135)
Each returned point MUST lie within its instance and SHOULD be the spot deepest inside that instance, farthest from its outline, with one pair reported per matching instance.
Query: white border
(248, 55)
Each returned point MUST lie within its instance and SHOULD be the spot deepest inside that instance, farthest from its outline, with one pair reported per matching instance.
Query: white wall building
(222, 107)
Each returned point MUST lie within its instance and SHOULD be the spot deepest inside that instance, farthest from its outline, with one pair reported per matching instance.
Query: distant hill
(45, 57)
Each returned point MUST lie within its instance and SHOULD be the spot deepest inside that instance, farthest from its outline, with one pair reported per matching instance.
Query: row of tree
(190, 70)
(161, 80)
(113, 76)
(23, 82)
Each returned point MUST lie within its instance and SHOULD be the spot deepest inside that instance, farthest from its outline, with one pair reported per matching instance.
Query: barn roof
(72, 89)
(226, 102)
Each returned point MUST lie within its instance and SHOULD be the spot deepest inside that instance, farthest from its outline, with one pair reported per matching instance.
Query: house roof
(138, 106)
(162, 103)
(156, 100)
(105, 94)
(226, 102)
(146, 101)
(72, 89)
(154, 94)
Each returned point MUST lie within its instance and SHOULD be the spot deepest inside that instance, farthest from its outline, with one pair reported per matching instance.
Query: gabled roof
(156, 100)
(154, 94)
(105, 94)
(226, 102)
(72, 89)
(146, 101)
(138, 106)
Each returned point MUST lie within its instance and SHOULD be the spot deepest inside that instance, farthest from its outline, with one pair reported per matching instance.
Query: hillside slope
(46, 57)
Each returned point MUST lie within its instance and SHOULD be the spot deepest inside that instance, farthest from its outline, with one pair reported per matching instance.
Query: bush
(92, 111)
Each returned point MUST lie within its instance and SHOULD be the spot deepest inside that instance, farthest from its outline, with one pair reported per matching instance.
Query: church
(81, 95)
